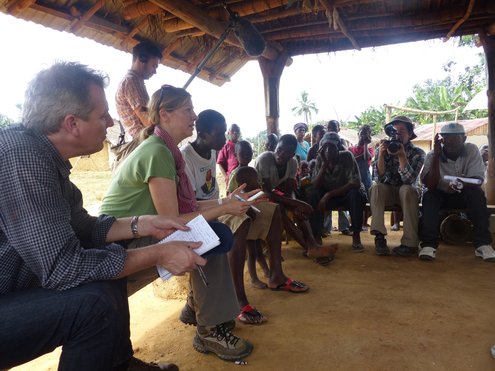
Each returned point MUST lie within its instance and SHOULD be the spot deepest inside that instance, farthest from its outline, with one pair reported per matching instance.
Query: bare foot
(323, 251)
(257, 284)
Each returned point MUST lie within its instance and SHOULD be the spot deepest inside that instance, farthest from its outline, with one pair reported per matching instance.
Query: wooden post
(272, 71)
(489, 47)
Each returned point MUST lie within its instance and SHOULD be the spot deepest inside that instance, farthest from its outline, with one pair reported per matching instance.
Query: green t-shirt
(129, 193)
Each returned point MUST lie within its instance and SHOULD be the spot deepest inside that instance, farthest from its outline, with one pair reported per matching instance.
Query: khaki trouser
(406, 196)
(216, 303)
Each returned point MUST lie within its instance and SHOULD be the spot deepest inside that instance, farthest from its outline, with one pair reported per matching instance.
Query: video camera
(393, 142)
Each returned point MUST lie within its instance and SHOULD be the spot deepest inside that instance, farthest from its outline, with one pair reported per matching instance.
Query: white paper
(200, 230)
(465, 180)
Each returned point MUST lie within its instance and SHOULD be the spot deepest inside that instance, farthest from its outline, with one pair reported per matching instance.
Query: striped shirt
(131, 95)
(47, 239)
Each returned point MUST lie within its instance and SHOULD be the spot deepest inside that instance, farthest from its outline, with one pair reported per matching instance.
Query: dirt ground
(363, 312)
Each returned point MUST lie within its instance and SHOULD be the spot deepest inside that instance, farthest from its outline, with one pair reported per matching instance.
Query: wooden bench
(491, 208)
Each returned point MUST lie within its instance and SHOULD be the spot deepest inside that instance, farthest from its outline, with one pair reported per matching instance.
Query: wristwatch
(134, 227)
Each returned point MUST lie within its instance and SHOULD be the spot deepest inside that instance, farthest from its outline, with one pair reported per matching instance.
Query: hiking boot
(381, 248)
(136, 364)
(405, 251)
(222, 342)
(485, 252)
(427, 253)
(188, 317)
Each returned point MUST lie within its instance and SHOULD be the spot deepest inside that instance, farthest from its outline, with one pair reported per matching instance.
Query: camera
(393, 142)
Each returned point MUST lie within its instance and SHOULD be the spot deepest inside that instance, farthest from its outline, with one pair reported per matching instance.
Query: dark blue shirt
(47, 239)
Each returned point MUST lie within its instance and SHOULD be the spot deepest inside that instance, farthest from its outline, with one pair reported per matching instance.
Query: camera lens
(393, 146)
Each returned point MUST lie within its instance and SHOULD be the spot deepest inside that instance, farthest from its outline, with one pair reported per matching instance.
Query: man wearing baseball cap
(395, 171)
(337, 182)
(452, 156)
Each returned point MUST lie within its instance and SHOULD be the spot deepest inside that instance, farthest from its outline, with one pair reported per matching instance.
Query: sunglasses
(162, 92)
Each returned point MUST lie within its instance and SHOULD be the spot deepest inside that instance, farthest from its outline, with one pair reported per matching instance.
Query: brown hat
(406, 120)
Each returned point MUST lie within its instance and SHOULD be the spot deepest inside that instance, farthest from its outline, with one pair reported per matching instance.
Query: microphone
(250, 38)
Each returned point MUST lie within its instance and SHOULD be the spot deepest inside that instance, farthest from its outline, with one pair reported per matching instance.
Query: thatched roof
(187, 29)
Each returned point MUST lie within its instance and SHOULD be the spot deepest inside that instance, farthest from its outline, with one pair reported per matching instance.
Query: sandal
(259, 285)
(251, 316)
(291, 286)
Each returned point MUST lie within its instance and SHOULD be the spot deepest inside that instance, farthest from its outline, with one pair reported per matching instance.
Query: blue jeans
(91, 322)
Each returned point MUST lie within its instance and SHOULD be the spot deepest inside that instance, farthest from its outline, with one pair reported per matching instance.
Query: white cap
(452, 128)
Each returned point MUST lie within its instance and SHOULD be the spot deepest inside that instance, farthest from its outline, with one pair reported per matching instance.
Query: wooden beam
(460, 21)
(95, 23)
(133, 32)
(220, 14)
(488, 43)
(140, 9)
(196, 17)
(16, 7)
(333, 16)
(76, 24)
(272, 71)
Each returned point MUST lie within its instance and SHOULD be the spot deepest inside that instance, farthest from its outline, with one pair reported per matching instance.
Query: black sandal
(324, 261)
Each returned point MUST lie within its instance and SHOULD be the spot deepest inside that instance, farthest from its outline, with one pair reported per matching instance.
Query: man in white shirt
(452, 156)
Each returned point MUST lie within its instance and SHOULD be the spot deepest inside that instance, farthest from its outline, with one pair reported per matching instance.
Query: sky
(341, 85)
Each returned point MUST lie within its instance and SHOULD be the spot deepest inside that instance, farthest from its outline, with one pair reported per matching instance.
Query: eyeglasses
(162, 91)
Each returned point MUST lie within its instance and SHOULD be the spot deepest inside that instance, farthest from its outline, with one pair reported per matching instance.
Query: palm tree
(305, 107)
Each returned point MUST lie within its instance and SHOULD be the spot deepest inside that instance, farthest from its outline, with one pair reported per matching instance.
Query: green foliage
(447, 94)
(305, 107)
(436, 95)
(372, 116)
(468, 40)
(5, 121)
(258, 143)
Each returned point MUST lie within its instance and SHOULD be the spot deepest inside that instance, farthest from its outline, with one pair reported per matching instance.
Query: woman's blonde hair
(169, 98)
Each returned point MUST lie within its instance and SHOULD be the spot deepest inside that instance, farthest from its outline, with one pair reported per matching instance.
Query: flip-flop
(259, 285)
(251, 316)
(291, 286)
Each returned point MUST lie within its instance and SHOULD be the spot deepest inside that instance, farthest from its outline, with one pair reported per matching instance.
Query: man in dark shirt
(317, 133)
(337, 182)
(57, 261)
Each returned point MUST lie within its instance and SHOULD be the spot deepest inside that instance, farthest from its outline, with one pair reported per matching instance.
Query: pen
(202, 275)
(241, 199)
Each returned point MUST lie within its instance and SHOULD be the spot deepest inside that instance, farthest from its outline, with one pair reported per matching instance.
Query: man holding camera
(395, 171)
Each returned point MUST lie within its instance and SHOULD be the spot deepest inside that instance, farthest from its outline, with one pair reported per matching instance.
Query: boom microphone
(250, 38)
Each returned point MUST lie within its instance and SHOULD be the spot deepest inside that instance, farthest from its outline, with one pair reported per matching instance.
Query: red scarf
(185, 194)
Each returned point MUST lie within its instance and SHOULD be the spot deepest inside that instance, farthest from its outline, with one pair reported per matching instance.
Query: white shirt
(201, 172)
